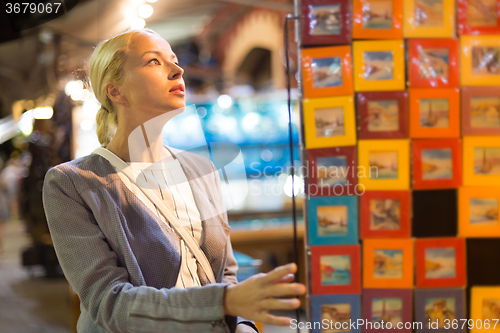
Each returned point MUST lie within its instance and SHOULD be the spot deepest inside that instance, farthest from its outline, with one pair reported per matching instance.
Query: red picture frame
(367, 224)
(464, 27)
(437, 272)
(353, 252)
(424, 65)
(433, 170)
(475, 98)
(382, 100)
(344, 32)
(336, 188)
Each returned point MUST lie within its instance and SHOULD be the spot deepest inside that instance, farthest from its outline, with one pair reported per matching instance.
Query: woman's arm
(92, 269)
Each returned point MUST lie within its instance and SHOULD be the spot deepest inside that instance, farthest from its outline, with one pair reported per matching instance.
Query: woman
(117, 251)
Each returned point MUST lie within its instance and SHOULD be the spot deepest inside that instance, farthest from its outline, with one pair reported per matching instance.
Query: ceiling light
(145, 11)
(137, 23)
(43, 112)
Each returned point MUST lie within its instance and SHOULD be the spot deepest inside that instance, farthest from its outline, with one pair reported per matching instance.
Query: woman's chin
(181, 103)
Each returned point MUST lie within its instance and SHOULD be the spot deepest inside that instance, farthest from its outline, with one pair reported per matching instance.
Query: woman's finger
(280, 304)
(287, 278)
(276, 274)
(285, 289)
(275, 320)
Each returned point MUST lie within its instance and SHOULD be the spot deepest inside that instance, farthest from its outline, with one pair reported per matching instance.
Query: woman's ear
(114, 93)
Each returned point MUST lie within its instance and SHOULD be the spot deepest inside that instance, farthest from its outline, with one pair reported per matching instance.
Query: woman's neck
(143, 144)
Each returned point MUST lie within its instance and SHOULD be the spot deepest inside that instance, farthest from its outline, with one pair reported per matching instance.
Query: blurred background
(233, 55)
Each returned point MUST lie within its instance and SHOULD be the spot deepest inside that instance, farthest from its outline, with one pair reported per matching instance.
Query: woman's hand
(254, 297)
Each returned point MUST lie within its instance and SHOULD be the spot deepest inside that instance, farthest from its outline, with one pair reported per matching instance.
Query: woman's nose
(176, 72)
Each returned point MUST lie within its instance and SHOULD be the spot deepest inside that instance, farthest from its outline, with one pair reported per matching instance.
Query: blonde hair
(106, 65)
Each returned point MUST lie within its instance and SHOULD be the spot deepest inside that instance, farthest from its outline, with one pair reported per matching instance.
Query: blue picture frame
(421, 295)
(319, 300)
(350, 237)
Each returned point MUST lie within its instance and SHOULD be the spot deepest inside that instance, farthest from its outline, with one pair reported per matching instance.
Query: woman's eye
(155, 60)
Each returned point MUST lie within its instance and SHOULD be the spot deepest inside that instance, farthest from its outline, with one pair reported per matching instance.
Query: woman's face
(153, 80)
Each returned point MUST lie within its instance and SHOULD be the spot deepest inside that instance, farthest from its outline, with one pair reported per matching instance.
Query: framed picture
(433, 63)
(436, 309)
(336, 269)
(377, 19)
(434, 113)
(336, 311)
(480, 60)
(332, 171)
(327, 71)
(440, 262)
(429, 19)
(484, 305)
(481, 110)
(385, 214)
(478, 211)
(481, 161)
(392, 306)
(383, 115)
(326, 22)
(379, 65)
(384, 164)
(437, 163)
(333, 220)
(329, 122)
(388, 263)
(479, 17)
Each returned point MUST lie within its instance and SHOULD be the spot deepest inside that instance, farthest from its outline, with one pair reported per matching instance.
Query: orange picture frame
(423, 25)
(483, 301)
(379, 65)
(477, 207)
(479, 60)
(377, 30)
(397, 257)
(330, 86)
(428, 120)
(480, 166)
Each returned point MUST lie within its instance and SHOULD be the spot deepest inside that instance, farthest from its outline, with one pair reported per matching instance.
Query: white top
(170, 182)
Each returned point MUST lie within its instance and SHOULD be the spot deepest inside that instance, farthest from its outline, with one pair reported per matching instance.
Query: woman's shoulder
(85, 171)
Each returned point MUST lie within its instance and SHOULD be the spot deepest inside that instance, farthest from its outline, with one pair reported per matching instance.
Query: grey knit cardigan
(123, 262)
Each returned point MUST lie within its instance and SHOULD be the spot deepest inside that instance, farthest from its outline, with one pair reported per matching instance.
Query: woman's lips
(177, 89)
(177, 92)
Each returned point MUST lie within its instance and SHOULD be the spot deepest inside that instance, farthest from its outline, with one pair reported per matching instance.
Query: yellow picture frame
(376, 154)
(329, 114)
(367, 76)
(412, 29)
(477, 307)
(473, 72)
(487, 170)
(478, 211)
